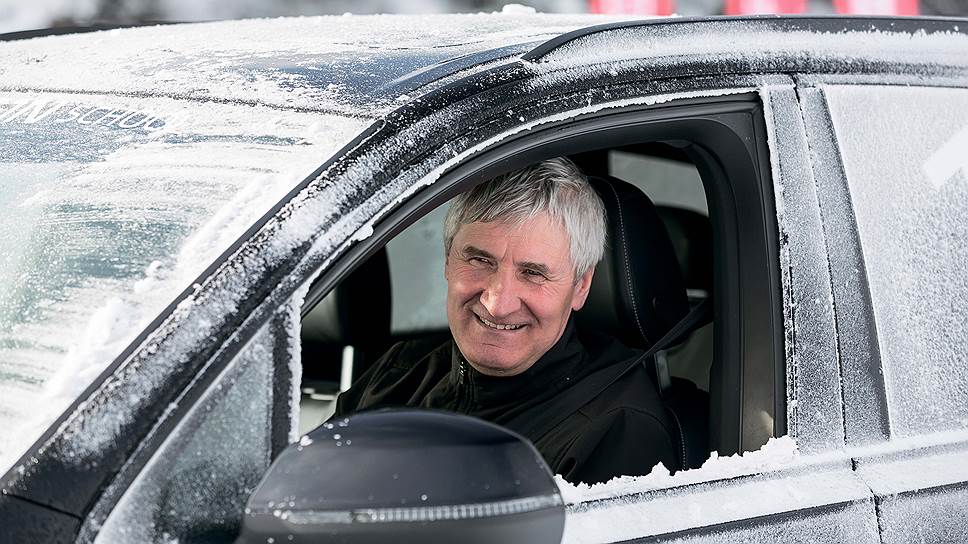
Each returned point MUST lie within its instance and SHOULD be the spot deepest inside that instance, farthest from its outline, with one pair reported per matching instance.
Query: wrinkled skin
(501, 275)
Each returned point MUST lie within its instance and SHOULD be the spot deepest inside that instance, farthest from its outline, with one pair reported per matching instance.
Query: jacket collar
(551, 373)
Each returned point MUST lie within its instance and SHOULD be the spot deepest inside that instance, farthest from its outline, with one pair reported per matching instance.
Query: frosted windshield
(109, 208)
(904, 151)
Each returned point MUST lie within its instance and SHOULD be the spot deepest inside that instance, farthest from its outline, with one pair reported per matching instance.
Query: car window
(192, 488)
(668, 182)
(109, 208)
(908, 181)
(417, 282)
(416, 255)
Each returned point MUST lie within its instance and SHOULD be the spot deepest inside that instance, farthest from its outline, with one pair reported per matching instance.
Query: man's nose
(500, 297)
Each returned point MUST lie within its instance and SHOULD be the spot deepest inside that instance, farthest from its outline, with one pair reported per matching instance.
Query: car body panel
(916, 475)
(442, 123)
(351, 65)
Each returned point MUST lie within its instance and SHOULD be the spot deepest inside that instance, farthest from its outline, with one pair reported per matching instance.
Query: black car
(209, 230)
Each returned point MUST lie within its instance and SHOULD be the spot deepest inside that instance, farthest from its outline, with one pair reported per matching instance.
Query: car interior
(658, 266)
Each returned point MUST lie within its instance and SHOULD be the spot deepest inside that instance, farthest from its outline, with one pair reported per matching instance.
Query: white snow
(814, 401)
(517, 9)
(294, 324)
(299, 62)
(776, 454)
(898, 476)
(743, 42)
(772, 481)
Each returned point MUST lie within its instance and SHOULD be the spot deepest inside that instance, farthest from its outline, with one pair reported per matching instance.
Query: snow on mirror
(907, 172)
(111, 207)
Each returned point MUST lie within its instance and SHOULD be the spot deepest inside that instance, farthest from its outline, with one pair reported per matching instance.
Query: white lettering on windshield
(36, 110)
(31, 112)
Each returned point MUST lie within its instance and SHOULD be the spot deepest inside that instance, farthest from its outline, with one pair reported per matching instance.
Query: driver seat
(637, 295)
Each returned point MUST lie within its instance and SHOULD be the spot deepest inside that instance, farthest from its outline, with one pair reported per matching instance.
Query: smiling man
(521, 251)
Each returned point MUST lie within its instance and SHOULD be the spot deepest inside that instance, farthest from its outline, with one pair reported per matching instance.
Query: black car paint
(482, 99)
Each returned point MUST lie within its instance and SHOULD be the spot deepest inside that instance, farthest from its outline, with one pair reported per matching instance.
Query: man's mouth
(497, 326)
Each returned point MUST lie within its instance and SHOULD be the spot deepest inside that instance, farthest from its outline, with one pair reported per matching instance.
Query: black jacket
(623, 431)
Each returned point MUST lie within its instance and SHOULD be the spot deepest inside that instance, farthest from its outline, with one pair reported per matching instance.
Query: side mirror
(407, 476)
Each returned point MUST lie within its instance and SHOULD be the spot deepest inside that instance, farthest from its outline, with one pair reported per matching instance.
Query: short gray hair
(556, 186)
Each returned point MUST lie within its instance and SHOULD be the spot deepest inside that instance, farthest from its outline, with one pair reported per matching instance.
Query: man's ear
(581, 290)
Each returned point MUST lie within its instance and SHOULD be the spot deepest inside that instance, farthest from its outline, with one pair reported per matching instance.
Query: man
(521, 251)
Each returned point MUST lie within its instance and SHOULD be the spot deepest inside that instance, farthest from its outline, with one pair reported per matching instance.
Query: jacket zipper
(463, 388)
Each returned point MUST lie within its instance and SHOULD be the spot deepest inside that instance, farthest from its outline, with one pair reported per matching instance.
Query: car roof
(354, 65)
(366, 66)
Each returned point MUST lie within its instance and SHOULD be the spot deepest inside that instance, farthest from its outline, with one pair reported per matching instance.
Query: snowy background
(21, 15)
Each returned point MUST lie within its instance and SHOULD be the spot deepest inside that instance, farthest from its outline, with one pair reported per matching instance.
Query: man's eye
(534, 275)
(479, 260)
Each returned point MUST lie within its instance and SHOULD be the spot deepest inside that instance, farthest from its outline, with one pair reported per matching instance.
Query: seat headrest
(637, 293)
(692, 237)
(357, 311)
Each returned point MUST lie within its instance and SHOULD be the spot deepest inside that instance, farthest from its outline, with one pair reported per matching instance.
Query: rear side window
(905, 152)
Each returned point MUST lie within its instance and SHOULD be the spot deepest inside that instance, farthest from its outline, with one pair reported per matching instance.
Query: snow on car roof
(345, 64)
(762, 44)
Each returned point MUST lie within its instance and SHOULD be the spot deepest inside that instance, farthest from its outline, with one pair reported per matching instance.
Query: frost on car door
(905, 168)
(797, 488)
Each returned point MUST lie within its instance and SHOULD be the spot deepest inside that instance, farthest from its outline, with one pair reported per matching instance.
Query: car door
(893, 184)
(780, 373)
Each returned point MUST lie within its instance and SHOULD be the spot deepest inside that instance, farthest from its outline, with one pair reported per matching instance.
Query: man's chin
(487, 364)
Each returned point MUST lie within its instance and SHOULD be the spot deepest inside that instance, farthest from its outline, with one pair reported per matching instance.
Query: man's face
(510, 291)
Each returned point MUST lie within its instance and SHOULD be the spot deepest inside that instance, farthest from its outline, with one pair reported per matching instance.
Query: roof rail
(815, 23)
(80, 29)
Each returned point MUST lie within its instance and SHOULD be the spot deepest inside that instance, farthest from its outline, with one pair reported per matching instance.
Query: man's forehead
(534, 242)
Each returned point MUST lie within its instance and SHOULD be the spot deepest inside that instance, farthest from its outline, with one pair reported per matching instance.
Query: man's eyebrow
(537, 267)
(472, 251)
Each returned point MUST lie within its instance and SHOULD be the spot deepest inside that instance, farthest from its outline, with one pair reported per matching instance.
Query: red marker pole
(753, 7)
(634, 7)
(876, 7)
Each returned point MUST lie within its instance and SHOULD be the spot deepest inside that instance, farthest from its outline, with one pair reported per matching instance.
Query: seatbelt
(572, 399)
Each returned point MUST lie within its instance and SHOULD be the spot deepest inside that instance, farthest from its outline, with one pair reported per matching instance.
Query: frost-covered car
(209, 230)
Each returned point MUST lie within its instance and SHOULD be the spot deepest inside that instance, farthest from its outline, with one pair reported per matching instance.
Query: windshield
(109, 208)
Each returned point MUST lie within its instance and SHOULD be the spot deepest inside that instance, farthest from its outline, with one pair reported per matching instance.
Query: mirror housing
(407, 476)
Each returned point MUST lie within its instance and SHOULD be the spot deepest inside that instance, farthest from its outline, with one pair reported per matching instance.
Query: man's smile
(498, 326)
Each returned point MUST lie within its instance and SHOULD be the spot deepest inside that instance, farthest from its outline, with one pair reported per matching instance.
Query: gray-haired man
(521, 251)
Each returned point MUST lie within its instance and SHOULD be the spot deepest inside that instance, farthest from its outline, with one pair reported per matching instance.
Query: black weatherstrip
(64, 30)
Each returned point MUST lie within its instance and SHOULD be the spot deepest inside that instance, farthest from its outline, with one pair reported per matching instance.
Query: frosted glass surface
(906, 159)
(109, 208)
(195, 486)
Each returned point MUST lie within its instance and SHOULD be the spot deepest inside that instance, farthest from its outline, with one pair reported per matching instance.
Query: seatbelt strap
(572, 399)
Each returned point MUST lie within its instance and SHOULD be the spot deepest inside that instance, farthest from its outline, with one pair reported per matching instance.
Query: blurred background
(21, 15)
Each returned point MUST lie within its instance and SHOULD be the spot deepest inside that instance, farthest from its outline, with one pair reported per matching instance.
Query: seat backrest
(638, 294)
